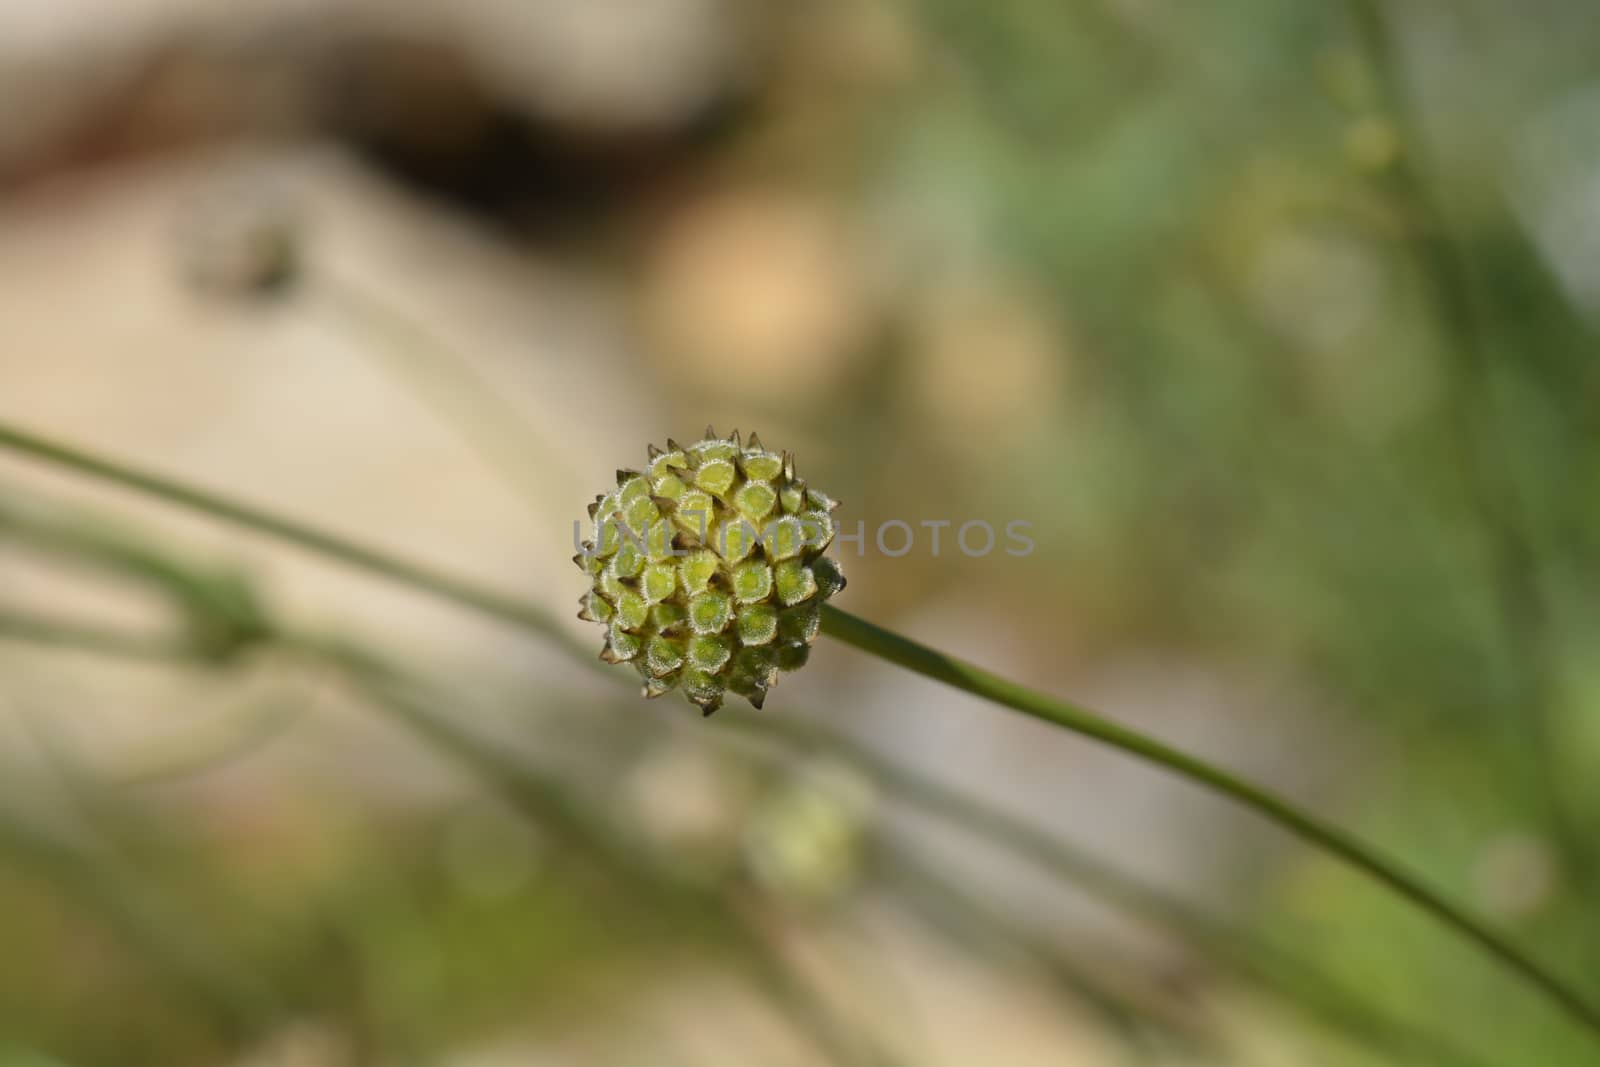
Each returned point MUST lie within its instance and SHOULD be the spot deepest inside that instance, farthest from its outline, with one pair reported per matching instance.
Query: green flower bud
(707, 569)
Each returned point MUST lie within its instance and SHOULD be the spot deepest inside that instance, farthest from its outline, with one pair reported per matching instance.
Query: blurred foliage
(1287, 431)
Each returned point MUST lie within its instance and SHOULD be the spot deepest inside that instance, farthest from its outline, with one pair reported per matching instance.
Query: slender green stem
(923, 660)
(876, 641)
(374, 561)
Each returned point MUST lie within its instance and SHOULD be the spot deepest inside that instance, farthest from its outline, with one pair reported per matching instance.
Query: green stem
(887, 645)
(871, 639)
(404, 572)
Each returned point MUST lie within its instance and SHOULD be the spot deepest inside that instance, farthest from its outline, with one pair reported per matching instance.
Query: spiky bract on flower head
(708, 569)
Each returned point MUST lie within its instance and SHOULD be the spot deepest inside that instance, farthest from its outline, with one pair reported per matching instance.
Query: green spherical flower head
(707, 569)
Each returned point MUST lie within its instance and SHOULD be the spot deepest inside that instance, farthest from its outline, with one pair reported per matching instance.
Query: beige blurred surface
(283, 405)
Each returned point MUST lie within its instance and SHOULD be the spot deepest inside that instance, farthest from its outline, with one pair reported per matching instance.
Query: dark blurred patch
(416, 108)
(419, 111)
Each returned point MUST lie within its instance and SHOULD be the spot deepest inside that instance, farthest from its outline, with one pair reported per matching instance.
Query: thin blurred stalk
(218, 611)
(87, 637)
(1483, 451)
(488, 602)
(883, 644)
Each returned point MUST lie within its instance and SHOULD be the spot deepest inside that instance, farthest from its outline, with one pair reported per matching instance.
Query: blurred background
(1275, 320)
